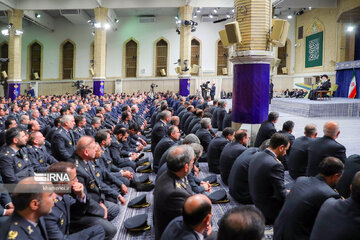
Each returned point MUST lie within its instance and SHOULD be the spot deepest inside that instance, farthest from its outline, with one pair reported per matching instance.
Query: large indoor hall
(179, 119)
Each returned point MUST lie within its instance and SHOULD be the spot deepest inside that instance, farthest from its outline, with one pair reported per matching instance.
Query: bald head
(331, 129)
(85, 147)
(197, 210)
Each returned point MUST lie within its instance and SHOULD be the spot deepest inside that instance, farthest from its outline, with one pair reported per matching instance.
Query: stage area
(334, 107)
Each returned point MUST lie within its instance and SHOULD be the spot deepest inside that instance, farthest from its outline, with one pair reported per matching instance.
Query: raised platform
(334, 107)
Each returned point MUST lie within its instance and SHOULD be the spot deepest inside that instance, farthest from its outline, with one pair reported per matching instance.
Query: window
(35, 60)
(222, 59)
(161, 57)
(68, 61)
(195, 54)
(131, 59)
(4, 54)
(282, 55)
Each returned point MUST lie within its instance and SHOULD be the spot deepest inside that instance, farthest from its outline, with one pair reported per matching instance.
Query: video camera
(153, 85)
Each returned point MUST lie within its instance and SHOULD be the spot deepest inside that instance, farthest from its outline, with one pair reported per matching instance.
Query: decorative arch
(161, 56)
(67, 63)
(4, 53)
(130, 58)
(196, 53)
(35, 53)
(222, 58)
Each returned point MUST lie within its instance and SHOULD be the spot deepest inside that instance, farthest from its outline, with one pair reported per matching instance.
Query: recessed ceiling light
(289, 16)
(350, 28)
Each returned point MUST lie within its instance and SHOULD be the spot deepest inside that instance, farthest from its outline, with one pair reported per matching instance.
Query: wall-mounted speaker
(233, 32)
(279, 32)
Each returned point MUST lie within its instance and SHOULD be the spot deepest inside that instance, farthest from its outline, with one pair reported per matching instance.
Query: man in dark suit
(27, 221)
(227, 119)
(339, 219)
(245, 222)
(297, 161)
(215, 148)
(325, 147)
(204, 134)
(214, 117)
(164, 144)
(212, 91)
(267, 129)
(195, 220)
(160, 129)
(297, 217)
(352, 166)
(287, 129)
(85, 172)
(266, 178)
(79, 130)
(221, 114)
(189, 113)
(231, 151)
(58, 220)
(63, 140)
(172, 188)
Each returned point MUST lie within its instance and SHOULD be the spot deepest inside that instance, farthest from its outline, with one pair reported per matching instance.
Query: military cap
(139, 202)
(144, 169)
(142, 162)
(137, 223)
(219, 196)
(212, 180)
(144, 179)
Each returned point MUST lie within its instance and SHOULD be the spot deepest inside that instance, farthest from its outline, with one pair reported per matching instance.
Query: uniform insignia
(19, 164)
(13, 235)
(62, 222)
(41, 161)
(178, 185)
(30, 229)
(12, 155)
(16, 223)
(70, 143)
(92, 186)
(56, 200)
(98, 174)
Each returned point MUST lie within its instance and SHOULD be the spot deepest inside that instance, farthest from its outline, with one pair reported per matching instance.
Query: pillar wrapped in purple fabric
(250, 102)
(14, 90)
(99, 88)
(184, 86)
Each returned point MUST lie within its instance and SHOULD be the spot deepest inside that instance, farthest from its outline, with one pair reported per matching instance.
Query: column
(14, 65)
(100, 51)
(250, 102)
(185, 50)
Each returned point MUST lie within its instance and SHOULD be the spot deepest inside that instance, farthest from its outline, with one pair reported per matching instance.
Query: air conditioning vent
(147, 19)
(69, 12)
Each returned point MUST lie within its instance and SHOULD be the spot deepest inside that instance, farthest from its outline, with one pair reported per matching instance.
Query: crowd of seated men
(100, 143)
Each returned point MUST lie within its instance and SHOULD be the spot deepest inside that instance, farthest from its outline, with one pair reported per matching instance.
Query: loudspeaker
(233, 32)
(36, 76)
(224, 38)
(162, 72)
(91, 71)
(4, 74)
(178, 70)
(279, 32)
(194, 69)
(224, 71)
(284, 70)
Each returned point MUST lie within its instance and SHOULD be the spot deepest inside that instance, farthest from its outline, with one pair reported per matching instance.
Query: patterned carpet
(125, 212)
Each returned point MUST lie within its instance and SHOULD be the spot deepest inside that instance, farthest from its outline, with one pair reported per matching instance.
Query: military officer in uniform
(79, 130)
(63, 141)
(14, 162)
(95, 126)
(160, 129)
(58, 221)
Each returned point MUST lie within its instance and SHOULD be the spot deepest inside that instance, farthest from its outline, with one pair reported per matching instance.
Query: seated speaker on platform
(36, 76)
(162, 72)
(194, 69)
(279, 32)
(233, 32)
(178, 70)
(91, 71)
(224, 38)
(4, 74)
(224, 71)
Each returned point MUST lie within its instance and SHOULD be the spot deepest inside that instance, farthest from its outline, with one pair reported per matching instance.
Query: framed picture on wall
(314, 50)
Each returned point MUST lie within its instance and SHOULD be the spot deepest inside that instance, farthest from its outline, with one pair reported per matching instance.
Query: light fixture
(107, 26)
(93, 33)
(275, 16)
(215, 11)
(116, 20)
(5, 32)
(233, 10)
(97, 25)
(289, 16)
(37, 15)
(195, 16)
(198, 10)
(89, 21)
(310, 8)
(350, 28)
(211, 16)
(18, 32)
(227, 15)
(176, 18)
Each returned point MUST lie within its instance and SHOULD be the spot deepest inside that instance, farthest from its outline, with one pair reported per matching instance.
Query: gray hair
(66, 118)
(205, 122)
(178, 157)
(310, 129)
(191, 138)
(198, 149)
(165, 114)
(96, 120)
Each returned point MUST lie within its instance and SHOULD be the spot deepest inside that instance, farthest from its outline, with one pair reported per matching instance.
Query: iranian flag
(352, 87)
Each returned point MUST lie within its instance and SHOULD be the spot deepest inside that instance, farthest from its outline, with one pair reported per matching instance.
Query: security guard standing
(14, 162)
